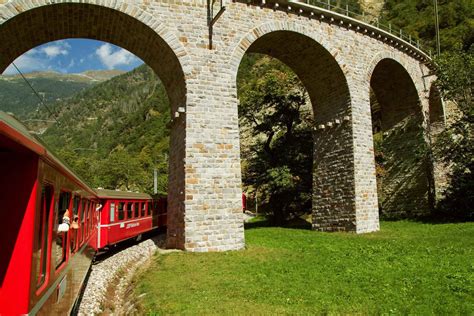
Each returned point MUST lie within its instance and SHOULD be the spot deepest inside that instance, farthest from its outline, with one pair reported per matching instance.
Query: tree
(121, 171)
(455, 145)
(417, 18)
(277, 140)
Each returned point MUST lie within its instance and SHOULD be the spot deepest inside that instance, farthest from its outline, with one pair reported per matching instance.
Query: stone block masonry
(333, 56)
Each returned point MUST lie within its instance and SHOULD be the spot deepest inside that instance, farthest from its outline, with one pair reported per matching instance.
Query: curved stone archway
(410, 69)
(397, 113)
(126, 26)
(325, 81)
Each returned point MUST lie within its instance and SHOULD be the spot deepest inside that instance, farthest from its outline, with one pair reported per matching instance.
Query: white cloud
(71, 64)
(27, 63)
(112, 59)
(40, 58)
(56, 49)
(60, 56)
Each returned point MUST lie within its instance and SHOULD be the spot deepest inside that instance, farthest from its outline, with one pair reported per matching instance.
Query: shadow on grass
(443, 218)
(296, 223)
(435, 218)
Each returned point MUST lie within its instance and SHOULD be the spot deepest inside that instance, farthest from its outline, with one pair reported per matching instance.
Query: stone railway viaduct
(343, 63)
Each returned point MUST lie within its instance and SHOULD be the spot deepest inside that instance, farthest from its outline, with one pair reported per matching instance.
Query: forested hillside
(115, 133)
(456, 21)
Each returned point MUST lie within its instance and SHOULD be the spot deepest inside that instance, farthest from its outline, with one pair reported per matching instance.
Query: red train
(127, 215)
(53, 223)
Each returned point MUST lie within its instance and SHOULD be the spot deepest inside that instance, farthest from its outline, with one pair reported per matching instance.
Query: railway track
(111, 273)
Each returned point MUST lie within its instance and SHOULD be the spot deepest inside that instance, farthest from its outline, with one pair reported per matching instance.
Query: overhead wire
(438, 41)
(54, 115)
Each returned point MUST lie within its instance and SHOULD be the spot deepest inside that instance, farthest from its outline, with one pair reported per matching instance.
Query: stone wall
(333, 55)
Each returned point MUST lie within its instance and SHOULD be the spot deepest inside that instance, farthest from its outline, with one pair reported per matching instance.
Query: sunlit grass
(406, 268)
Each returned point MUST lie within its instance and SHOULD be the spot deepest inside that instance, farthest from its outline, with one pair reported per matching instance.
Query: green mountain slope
(17, 97)
(115, 133)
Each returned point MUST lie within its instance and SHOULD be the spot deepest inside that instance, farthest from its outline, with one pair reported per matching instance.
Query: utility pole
(256, 202)
(155, 181)
(438, 45)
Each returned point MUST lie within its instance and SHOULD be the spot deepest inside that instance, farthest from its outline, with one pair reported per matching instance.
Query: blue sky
(75, 56)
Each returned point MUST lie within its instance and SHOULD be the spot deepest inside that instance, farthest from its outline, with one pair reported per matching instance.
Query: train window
(112, 212)
(74, 231)
(87, 217)
(94, 214)
(137, 209)
(149, 209)
(121, 213)
(47, 198)
(143, 209)
(60, 246)
(91, 216)
(83, 220)
(75, 206)
(129, 210)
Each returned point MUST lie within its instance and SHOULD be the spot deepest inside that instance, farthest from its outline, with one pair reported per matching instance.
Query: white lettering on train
(131, 225)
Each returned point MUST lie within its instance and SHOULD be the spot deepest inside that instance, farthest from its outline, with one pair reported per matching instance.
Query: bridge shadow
(439, 217)
(295, 223)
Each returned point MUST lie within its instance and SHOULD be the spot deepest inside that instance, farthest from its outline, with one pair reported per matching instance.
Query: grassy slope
(406, 268)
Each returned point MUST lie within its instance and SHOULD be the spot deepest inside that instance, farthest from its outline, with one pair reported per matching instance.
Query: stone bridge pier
(335, 57)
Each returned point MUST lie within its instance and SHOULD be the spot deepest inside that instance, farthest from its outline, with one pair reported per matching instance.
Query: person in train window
(75, 222)
(64, 226)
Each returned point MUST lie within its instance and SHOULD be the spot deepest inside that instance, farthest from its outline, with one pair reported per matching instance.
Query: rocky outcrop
(373, 7)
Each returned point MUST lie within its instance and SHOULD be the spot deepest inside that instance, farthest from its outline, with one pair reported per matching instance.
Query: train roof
(113, 194)
(17, 132)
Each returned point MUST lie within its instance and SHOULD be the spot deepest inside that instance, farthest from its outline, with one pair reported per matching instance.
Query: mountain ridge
(95, 75)
(17, 97)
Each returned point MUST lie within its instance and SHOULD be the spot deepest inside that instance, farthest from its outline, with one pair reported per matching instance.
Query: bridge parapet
(346, 17)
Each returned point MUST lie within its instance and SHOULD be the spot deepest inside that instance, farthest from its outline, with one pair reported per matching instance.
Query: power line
(37, 94)
(438, 42)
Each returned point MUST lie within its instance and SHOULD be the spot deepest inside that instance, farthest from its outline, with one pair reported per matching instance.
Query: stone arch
(397, 57)
(321, 70)
(404, 187)
(238, 51)
(119, 23)
(31, 23)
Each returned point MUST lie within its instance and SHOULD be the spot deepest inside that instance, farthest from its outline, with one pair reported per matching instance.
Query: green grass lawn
(406, 268)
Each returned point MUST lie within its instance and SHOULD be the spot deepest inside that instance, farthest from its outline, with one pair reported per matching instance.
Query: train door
(42, 248)
(18, 175)
(153, 211)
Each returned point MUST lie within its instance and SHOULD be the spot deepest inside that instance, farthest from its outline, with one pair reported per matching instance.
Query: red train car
(127, 215)
(41, 268)
(53, 223)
